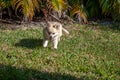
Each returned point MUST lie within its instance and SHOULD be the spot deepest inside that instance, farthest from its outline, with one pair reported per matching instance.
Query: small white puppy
(52, 33)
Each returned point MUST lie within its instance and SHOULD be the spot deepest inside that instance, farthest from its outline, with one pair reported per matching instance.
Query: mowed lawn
(89, 52)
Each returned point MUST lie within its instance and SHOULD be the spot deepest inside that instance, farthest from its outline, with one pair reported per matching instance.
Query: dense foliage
(79, 10)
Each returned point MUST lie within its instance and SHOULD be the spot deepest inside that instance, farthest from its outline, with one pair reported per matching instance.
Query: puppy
(52, 33)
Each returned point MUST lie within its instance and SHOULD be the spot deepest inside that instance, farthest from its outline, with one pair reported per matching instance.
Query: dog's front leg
(55, 43)
(45, 43)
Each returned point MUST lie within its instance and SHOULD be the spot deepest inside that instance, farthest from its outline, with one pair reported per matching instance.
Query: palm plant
(115, 10)
(110, 8)
(4, 4)
(78, 10)
(92, 8)
(27, 7)
(104, 8)
(54, 9)
(59, 6)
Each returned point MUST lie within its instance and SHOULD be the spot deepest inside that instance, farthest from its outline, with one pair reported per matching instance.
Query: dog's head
(53, 30)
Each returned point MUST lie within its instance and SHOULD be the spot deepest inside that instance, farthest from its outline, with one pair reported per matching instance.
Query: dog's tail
(65, 30)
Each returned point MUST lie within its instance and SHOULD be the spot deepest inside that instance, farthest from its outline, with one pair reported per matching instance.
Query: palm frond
(59, 6)
(105, 6)
(28, 7)
(116, 10)
(5, 3)
(77, 8)
(92, 7)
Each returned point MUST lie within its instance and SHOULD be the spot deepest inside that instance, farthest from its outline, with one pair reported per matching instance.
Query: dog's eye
(54, 26)
(53, 33)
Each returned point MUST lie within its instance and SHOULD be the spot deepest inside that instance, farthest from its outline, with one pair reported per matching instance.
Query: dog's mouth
(52, 37)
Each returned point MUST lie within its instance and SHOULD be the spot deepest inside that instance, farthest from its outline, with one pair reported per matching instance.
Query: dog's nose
(50, 37)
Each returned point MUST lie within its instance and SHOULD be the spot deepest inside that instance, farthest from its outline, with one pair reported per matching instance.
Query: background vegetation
(78, 10)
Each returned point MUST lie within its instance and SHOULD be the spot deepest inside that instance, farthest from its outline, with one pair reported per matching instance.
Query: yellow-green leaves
(59, 6)
(28, 7)
(78, 9)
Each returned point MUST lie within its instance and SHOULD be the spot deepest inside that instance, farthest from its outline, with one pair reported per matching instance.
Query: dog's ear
(47, 23)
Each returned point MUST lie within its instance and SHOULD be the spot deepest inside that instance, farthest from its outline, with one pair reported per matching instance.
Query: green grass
(88, 53)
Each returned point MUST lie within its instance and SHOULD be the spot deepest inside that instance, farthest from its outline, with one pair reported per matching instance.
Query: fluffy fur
(52, 33)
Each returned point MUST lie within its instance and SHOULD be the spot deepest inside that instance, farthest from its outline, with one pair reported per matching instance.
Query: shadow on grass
(115, 26)
(29, 43)
(8, 72)
(112, 25)
(105, 25)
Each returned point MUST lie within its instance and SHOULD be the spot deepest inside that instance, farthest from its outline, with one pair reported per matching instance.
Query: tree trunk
(9, 12)
(0, 14)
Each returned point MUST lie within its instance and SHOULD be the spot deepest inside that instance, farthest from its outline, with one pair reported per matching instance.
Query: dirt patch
(13, 25)
(24, 26)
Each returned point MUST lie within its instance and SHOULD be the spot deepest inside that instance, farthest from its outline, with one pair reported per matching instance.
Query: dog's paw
(44, 46)
(45, 43)
(55, 47)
